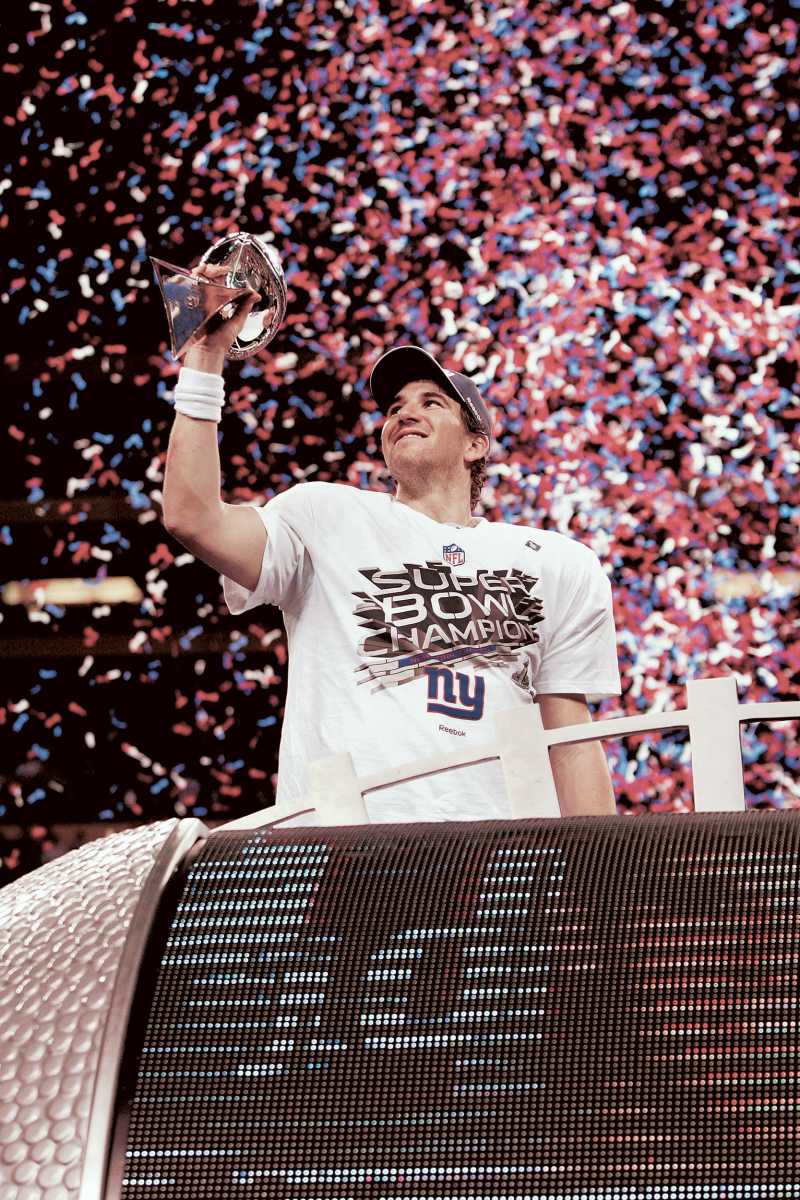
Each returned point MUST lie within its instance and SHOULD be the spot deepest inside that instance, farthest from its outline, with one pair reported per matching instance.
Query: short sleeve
(287, 565)
(579, 655)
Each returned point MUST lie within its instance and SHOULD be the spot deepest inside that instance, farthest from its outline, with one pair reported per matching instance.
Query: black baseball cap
(405, 364)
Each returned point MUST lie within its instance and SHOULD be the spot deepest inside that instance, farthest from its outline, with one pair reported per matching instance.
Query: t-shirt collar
(446, 524)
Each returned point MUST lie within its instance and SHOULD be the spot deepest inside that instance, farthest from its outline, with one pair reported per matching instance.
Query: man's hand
(207, 352)
(580, 770)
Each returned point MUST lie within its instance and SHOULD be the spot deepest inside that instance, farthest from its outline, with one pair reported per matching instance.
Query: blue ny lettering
(468, 706)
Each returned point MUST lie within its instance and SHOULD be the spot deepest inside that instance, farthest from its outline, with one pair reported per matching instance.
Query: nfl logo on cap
(453, 555)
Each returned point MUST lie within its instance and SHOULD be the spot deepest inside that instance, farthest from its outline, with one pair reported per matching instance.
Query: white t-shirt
(407, 637)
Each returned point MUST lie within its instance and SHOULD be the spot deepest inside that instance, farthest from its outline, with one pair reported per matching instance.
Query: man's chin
(410, 450)
(409, 458)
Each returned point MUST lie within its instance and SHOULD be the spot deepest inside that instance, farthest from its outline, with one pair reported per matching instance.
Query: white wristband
(199, 394)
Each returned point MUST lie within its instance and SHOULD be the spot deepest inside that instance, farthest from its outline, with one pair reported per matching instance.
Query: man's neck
(444, 508)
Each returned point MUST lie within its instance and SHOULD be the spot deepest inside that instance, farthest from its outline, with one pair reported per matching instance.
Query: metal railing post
(335, 792)
(525, 759)
(717, 776)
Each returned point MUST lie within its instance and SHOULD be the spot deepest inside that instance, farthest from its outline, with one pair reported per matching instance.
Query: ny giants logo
(467, 705)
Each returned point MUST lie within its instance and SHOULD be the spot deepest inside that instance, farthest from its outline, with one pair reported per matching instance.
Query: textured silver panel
(62, 932)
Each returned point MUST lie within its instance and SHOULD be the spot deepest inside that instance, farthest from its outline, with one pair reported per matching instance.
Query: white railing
(712, 715)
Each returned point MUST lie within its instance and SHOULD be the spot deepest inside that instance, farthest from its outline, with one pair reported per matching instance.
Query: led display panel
(580, 1009)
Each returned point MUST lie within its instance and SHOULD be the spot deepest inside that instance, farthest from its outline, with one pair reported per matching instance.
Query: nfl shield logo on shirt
(453, 555)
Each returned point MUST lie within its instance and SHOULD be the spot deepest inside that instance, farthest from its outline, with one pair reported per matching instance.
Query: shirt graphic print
(428, 615)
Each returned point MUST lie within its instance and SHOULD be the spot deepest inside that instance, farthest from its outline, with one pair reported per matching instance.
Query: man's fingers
(229, 320)
(214, 274)
(208, 271)
(245, 303)
(212, 269)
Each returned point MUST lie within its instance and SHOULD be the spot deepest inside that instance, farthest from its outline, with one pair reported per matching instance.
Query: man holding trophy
(410, 622)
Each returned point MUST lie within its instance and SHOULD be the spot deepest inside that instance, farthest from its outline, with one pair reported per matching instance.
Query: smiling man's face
(424, 427)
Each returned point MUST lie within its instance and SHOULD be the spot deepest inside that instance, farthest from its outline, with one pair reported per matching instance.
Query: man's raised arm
(230, 538)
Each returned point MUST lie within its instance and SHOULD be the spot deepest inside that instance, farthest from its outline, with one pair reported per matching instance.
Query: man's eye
(430, 400)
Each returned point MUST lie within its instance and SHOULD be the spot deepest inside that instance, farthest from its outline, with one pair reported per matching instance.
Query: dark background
(591, 209)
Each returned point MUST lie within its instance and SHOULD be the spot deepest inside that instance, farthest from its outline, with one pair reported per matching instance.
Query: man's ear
(478, 447)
